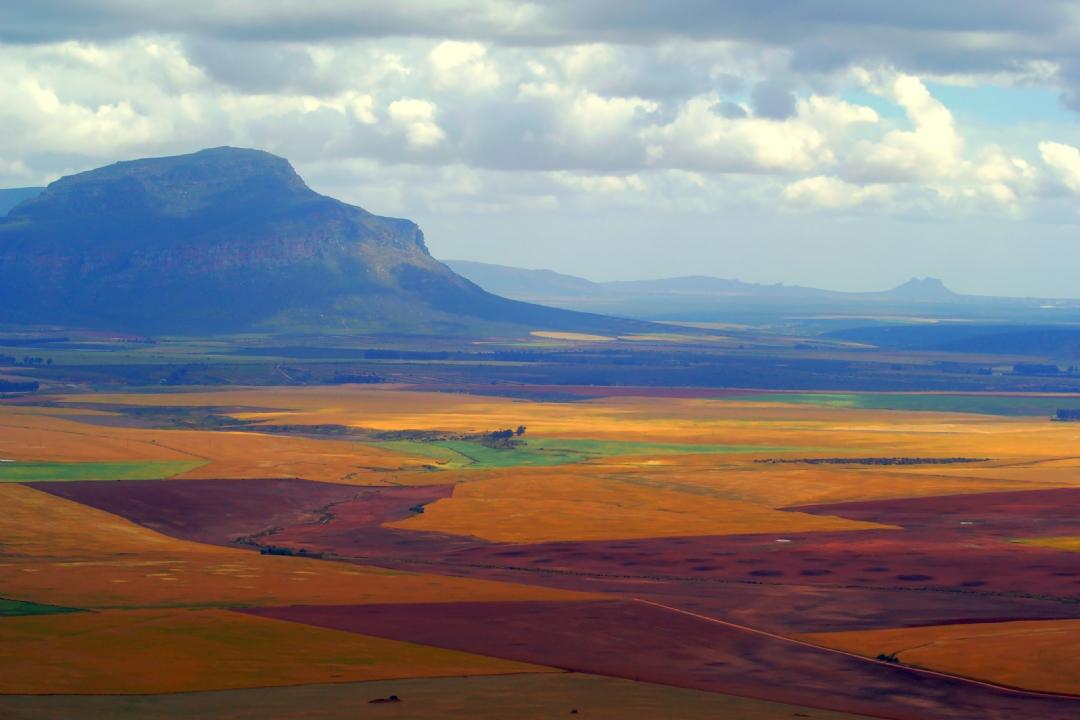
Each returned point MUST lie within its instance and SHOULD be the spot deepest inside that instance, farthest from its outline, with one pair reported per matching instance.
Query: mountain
(10, 197)
(231, 239)
(549, 285)
(520, 282)
(928, 289)
(703, 299)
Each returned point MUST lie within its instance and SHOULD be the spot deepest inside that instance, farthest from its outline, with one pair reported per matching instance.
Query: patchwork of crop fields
(302, 551)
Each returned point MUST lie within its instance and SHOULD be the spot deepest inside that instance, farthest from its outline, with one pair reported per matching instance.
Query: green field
(543, 452)
(10, 608)
(1011, 405)
(62, 472)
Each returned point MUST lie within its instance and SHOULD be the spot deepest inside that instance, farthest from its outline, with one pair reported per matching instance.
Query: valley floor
(624, 554)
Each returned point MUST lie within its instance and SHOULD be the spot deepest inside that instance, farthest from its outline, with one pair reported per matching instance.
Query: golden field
(168, 651)
(59, 552)
(1033, 654)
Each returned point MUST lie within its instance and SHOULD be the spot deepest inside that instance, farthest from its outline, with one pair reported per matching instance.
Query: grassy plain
(606, 468)
(159, 651)
(1035, 655)
(545, 452)
(9, 608)
(59, 472)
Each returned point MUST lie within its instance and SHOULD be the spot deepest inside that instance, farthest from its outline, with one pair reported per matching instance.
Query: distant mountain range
(547, 285)
(230, 239)
(706, 299)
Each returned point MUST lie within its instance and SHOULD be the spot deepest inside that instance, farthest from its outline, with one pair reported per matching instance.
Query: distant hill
(546, 284)
(790, 308)
(519, 282)
(928, 289)
(10, 197)
(230, 239)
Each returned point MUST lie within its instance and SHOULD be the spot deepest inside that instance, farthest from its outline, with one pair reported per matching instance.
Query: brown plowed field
(220, 511)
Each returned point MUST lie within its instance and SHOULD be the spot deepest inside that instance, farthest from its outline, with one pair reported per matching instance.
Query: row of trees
(26, 360)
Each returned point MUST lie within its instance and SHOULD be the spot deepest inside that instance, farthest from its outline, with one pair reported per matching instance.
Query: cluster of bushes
(275, 550)
(503, 438)
(1044, 370)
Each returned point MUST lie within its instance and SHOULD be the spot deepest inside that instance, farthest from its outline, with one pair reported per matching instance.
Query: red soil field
(881, 560)
(955, 544)
(220, 511)
(934, 571)
(635, 640)
(1026, 513)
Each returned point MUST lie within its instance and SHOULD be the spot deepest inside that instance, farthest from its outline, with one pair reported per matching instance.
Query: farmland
(625, 550)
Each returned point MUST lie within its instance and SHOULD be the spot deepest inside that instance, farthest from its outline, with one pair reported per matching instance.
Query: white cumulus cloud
(1064, 161)
(832, 193)
(417, 119)
(463, 66)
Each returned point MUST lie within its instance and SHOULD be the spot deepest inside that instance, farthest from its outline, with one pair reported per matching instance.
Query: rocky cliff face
(228, 239)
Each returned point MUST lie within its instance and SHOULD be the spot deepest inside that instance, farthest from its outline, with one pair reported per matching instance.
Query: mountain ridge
(231, 239)
(499, 278)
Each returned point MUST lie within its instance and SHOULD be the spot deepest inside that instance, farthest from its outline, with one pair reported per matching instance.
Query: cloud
(602, 184)
(772, 100)
(463, 66)
(417, 118)
(831, 193)
(1064, 161)
(931, 149)
(700, 139)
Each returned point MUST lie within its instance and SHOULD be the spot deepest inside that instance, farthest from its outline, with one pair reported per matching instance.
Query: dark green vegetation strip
(1009, 405)
(10, 608)
(61, 472)
(553, 451)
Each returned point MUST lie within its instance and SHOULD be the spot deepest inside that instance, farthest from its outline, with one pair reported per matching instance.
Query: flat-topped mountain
(232, 239)
(929, 288)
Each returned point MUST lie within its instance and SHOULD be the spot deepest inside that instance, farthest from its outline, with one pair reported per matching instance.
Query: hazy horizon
(836, 146)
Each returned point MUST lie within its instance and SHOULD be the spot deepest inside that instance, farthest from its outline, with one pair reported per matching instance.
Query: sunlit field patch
(147, 470)
(26, 438)
(1057, 543)
(556, 451)
(158, 651)
(547, 506)
(570, 336)
(1035, 654)
(59, 552)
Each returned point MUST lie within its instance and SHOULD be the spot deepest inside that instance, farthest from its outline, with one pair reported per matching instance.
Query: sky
(847, 144)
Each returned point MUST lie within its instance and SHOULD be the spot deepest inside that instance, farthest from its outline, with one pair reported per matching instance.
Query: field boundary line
(912, 668)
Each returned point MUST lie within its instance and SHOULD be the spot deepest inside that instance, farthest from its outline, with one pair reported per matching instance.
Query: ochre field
(164, 651)
(1040, 655)
(375, 533)
(537, 505)
(63, 553)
